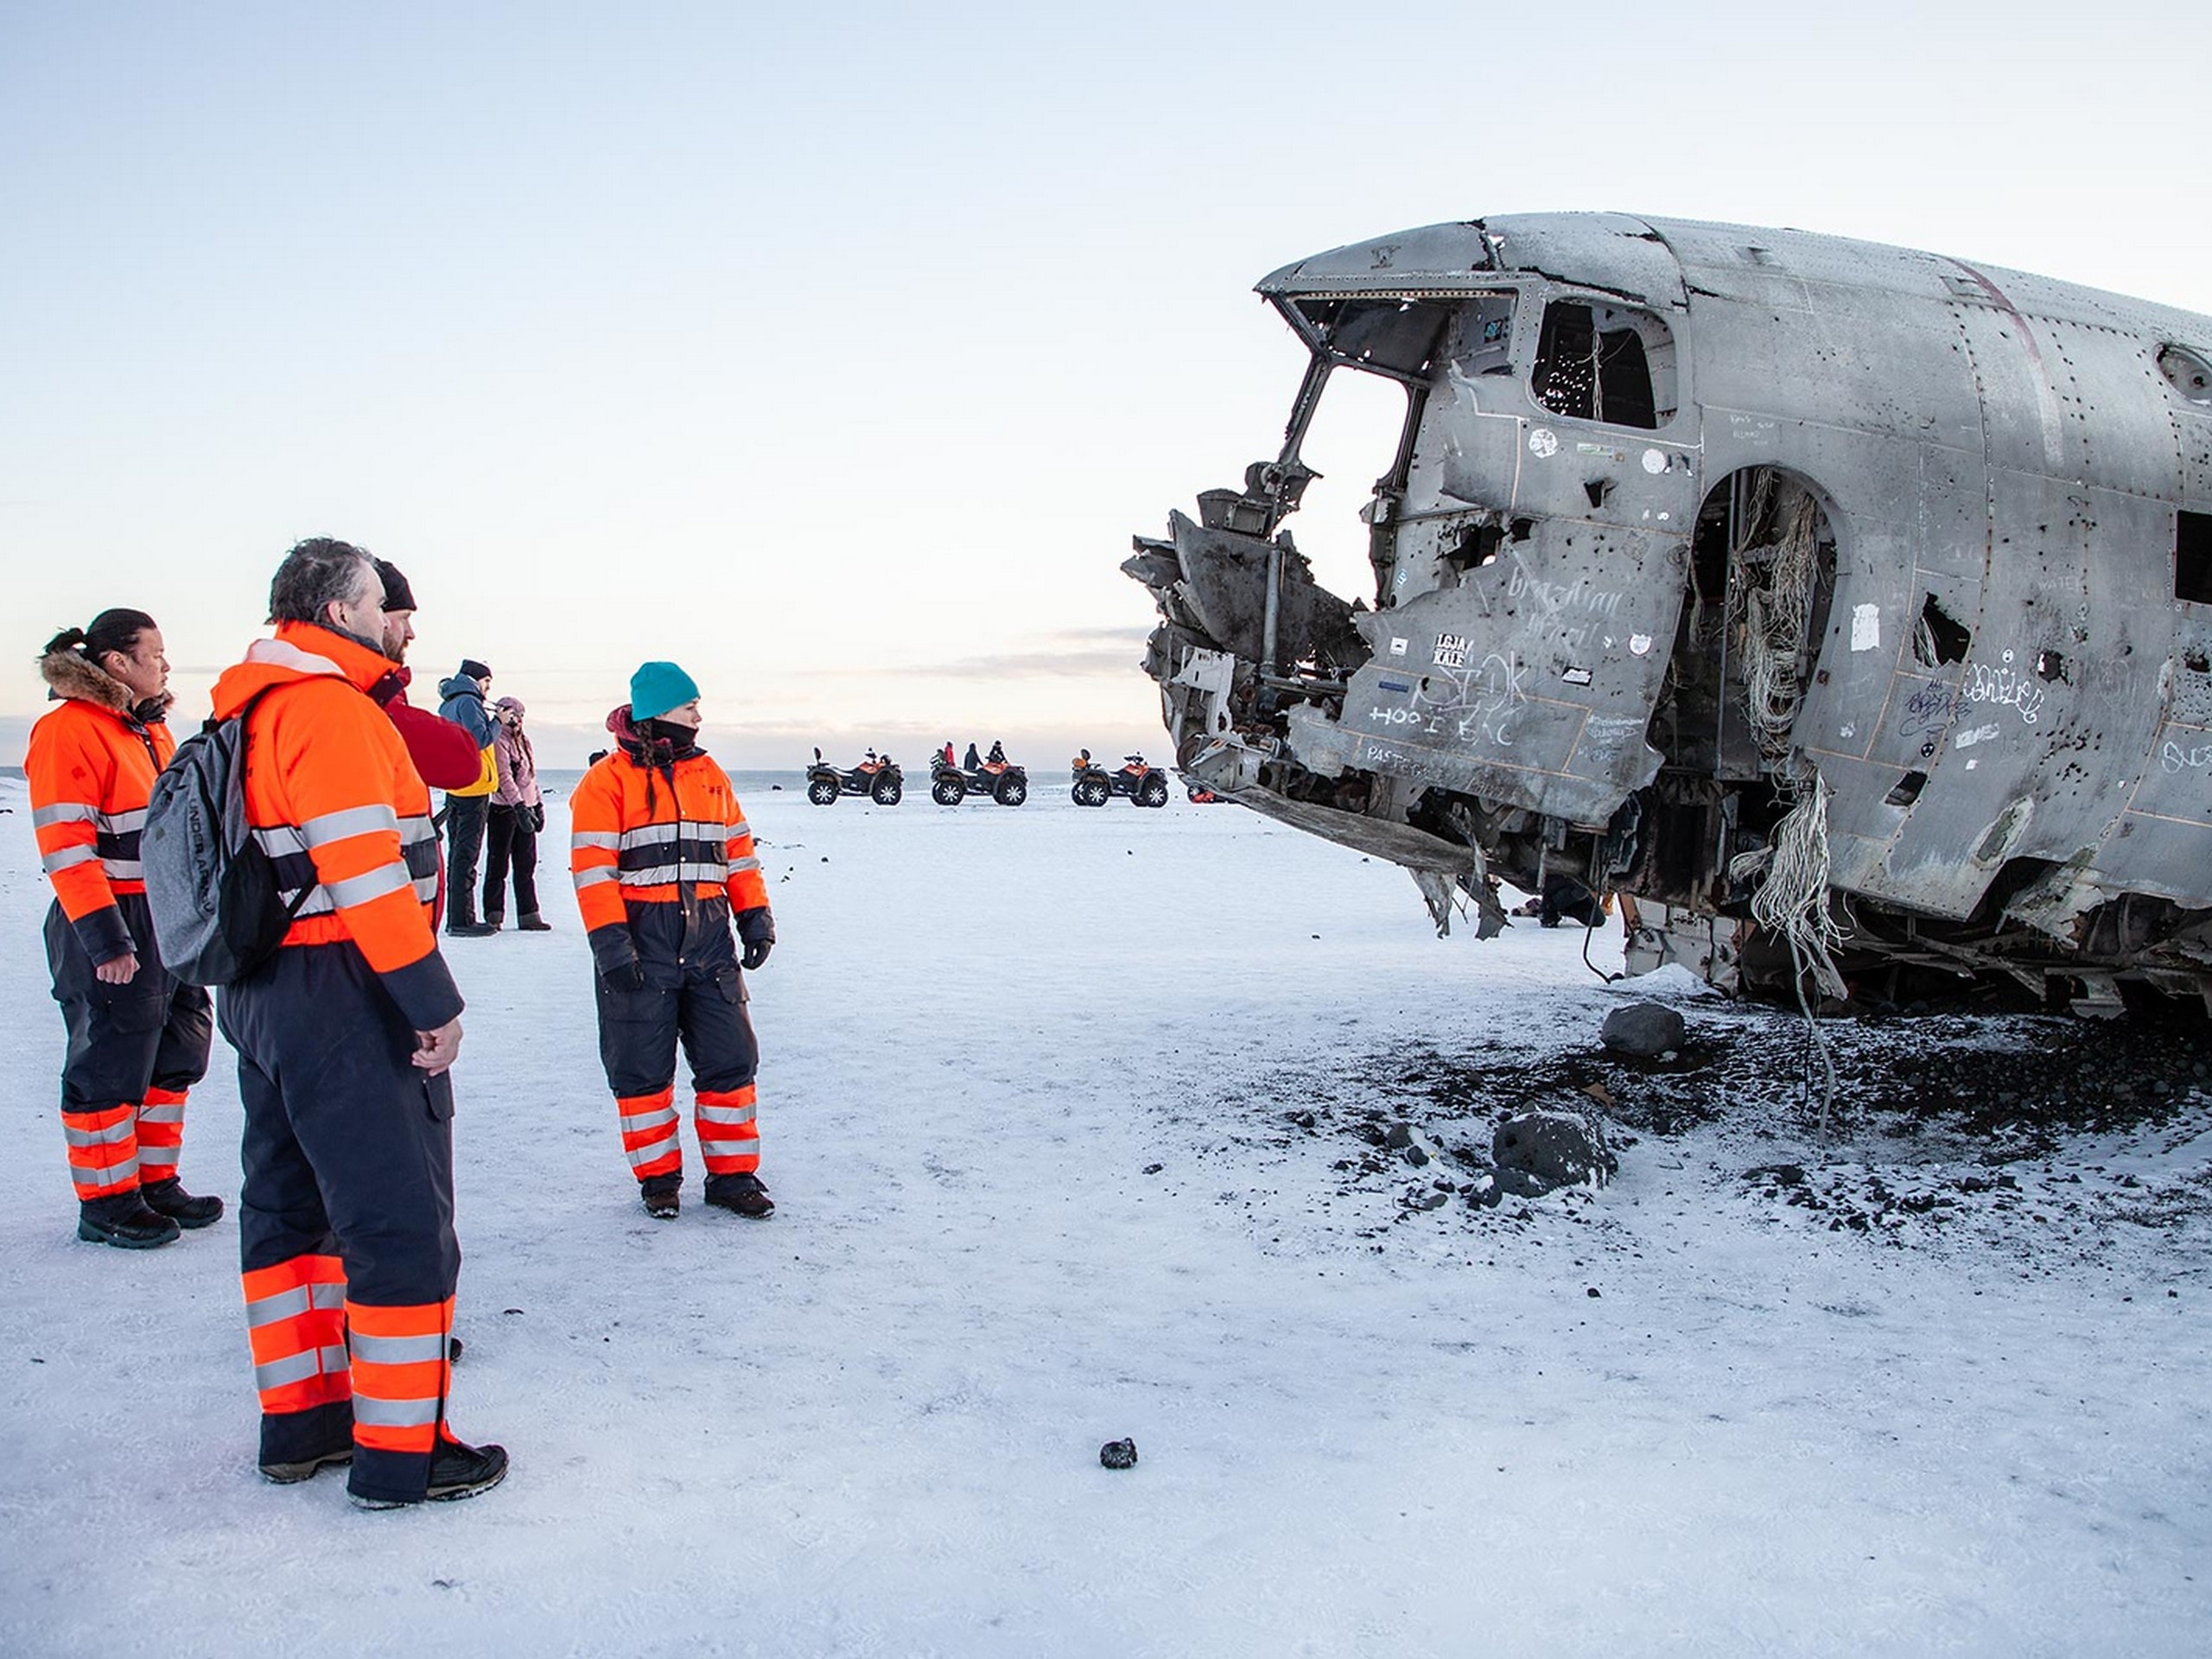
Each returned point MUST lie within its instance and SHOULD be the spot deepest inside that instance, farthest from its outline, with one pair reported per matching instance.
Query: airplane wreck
(1848, 608)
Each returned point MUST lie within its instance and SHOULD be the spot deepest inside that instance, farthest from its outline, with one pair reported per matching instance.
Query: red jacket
(442, 751)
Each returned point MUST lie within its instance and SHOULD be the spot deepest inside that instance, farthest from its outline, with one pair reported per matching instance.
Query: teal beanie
(656, 688)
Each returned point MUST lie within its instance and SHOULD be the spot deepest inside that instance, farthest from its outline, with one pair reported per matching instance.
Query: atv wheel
(1012, 792)
(1090, 792)
(1153, 792)
(822, 791)
(885, 791)
(948, 791)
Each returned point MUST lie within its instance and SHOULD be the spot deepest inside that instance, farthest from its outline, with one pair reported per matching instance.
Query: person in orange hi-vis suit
(345, 1037)
(662, 856)
(138, 1037)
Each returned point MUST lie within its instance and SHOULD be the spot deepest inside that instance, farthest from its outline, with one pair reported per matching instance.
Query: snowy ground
(1073, 1118)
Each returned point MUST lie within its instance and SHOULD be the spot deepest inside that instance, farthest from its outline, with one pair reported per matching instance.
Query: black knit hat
(397, 595)
(474, 670)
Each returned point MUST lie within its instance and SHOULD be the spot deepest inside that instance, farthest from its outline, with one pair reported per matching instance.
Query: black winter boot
(532, 922)
(123, 1220)
(167, 1197)
(743, 1194)
(663, 1196)
(456, 1472)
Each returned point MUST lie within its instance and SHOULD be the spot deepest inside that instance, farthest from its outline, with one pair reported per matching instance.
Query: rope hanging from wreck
(1792, 904)
(1774, 586)
(1776, 590)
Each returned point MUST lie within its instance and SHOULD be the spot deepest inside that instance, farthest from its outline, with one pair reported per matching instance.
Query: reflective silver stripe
(395, 1350)
(124, 869)
(318, 904)
(426, 888)
(374, 884)
(594, 838)
(297, 1368)
(280, 840)
(63, 812)
(657, 1118)
(120, 1130)
(352, 821)
(68, 856)
(740, 865)
(741, 828)
(640, 1156)
(122, 823)
(278, 1305)
(393, 1413)
(647, 835)
(114, 1170)
(290, 1304)
(668, 875)
(170, 1111)
(413, 832)
(726, 1114)
(592, 878)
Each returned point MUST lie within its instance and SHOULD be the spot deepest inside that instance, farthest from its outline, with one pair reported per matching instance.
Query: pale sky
(836, 353)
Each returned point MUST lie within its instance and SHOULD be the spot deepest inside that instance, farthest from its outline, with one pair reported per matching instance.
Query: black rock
(1118, 1454)
(1556, 1147)
(1643, 1029)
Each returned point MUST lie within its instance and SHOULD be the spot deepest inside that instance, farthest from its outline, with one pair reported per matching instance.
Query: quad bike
(949, 785)
(878, 777)
(1146, 785)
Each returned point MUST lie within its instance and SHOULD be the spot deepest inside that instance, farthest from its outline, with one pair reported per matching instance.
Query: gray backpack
(210, 885)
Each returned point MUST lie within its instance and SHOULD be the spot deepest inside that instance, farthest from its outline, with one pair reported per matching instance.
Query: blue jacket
(464, 706)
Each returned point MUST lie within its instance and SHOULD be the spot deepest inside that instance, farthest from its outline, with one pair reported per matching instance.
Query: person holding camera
(511, 828)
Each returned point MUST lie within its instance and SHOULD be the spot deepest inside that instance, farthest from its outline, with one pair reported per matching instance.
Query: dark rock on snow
(1642, 1029)
(1555, 1147)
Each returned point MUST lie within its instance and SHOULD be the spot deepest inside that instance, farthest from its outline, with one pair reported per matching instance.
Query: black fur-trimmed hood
(69, 673)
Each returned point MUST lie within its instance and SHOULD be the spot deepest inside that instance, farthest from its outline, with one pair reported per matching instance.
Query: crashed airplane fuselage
(1804, 590)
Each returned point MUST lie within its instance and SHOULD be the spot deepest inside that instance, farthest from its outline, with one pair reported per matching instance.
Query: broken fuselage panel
(1689, 525)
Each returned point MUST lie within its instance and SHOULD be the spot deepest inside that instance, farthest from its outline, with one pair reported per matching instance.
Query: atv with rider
(1146, 785)
(878, 777)
(996, 780)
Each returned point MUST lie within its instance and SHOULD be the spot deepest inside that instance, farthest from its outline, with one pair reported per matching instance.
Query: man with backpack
(345, 1035)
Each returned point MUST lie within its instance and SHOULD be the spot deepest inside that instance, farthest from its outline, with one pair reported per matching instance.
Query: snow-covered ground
(1072, 1118)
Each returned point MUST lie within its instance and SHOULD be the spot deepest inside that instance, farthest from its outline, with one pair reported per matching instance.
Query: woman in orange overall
(664, 866)
(138, 1037)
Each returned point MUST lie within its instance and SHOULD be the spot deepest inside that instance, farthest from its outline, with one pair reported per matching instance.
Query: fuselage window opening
(1611, 364)
(2193, 556)
(2188, 373)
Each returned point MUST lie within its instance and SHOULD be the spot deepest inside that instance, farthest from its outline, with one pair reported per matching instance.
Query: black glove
(536, 811)
(758, 929)
(614, 953)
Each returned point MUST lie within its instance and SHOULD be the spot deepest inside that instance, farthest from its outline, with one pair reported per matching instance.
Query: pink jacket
(510, 753)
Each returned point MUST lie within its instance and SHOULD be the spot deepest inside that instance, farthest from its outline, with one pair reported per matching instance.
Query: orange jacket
(635, 840)
(337, 804)
(91, 768)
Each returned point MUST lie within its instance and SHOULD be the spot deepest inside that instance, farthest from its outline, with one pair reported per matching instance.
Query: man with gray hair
(345, 1038)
